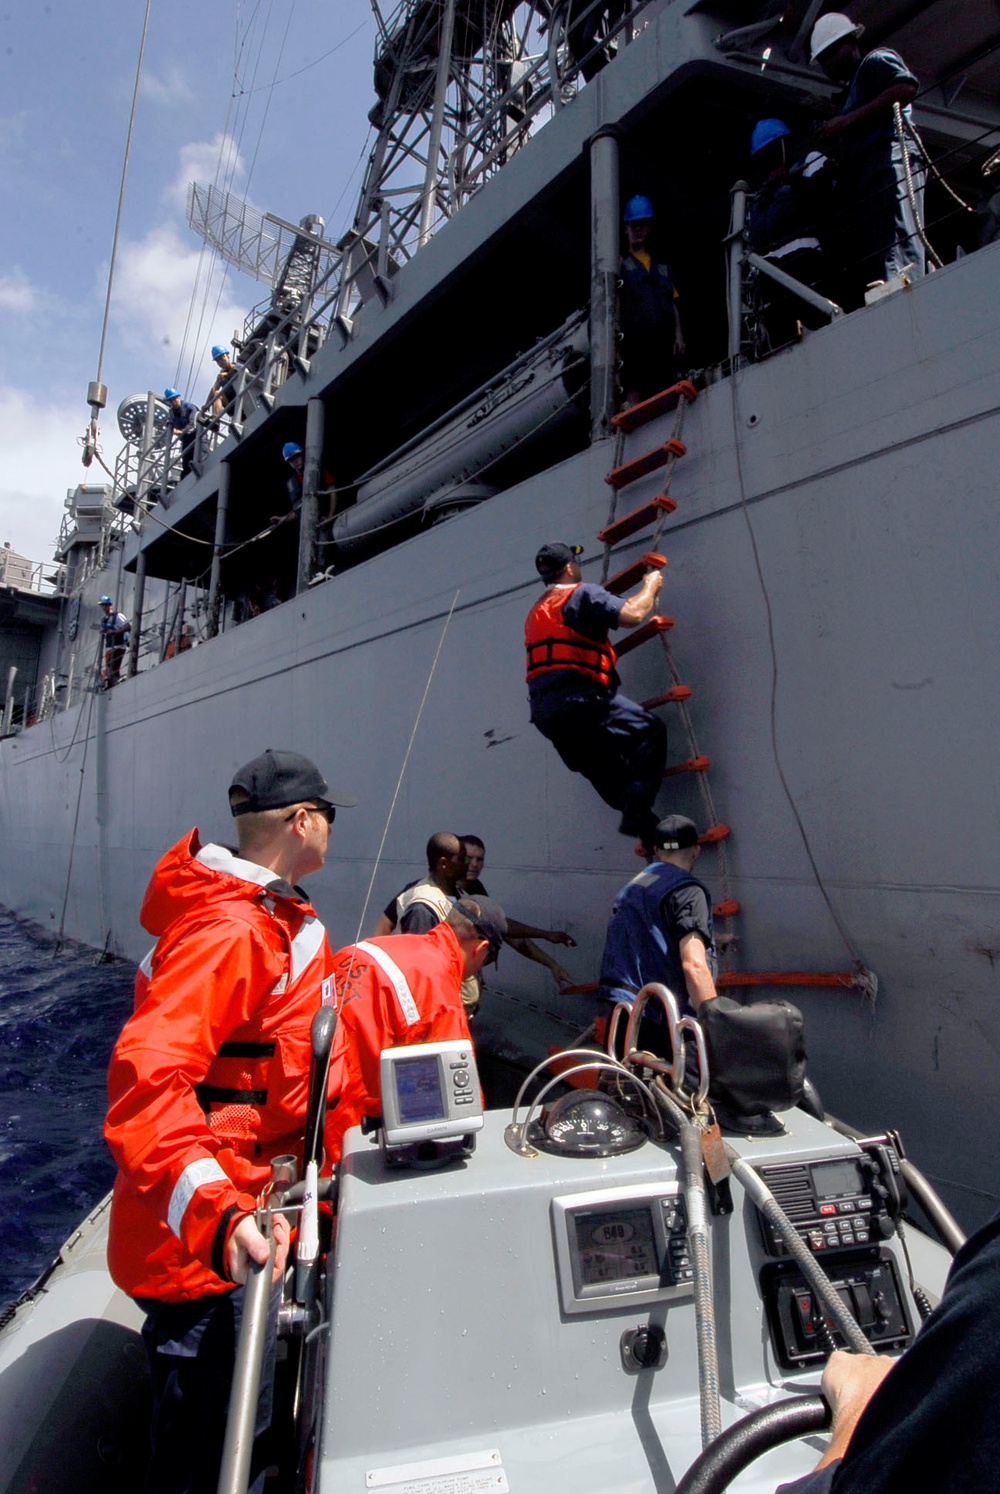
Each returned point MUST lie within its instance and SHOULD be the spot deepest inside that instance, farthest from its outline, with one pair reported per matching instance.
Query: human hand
(654, 580)
(680, 346)
(826, 130)
(849, 1382)
(246, 1244)
(560, 936)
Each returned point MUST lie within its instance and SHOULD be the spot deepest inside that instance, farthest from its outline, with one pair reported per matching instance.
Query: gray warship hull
(833, 583)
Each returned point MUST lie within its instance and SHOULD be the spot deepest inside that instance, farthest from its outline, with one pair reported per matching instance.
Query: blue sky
(241, 88)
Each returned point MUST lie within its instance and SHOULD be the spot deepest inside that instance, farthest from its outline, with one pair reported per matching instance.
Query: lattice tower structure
(454, 80)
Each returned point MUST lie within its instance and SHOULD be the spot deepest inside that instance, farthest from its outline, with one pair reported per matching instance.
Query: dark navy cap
(490, 921)
(276, 779)
(552, 560)
(675, 833)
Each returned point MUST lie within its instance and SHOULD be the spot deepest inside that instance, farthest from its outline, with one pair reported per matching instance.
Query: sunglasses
(328, 811)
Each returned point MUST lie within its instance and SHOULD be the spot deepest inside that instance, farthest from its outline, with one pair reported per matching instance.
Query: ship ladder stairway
(652, 515)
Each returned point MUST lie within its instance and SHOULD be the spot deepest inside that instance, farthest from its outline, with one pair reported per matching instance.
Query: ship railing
(26, 575)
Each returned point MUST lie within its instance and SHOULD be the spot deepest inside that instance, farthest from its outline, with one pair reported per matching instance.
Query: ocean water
(59, 1017)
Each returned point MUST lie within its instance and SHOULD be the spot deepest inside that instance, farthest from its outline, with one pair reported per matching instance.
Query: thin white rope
(406, 759)
(121, 191)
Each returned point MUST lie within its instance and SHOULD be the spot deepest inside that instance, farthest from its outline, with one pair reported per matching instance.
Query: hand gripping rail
(234, 1470)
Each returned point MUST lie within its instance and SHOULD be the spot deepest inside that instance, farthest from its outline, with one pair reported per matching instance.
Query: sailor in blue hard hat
(183, 416)
(789, 217)
(114, 642)
(222, 392)
(649, 320)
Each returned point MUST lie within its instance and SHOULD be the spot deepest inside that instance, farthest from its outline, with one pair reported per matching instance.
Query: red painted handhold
(673, 696)
(651, 629)
(787, 978)
(693, 765)
(657, 404)
(620, 477)
(633, 574)
(641, 518)
(728, 908)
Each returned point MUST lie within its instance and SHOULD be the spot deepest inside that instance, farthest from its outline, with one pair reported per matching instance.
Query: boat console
(524, 1316)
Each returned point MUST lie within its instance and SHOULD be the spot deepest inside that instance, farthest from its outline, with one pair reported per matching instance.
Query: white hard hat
(829, 30)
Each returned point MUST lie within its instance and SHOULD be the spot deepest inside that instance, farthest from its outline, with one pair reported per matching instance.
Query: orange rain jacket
(209, 1078)
(390, 993)
(553, 645)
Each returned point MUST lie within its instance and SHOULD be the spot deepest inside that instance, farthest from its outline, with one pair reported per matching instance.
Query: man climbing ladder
(573, 687)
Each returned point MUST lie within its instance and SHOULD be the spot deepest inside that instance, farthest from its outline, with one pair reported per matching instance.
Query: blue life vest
(638, 947)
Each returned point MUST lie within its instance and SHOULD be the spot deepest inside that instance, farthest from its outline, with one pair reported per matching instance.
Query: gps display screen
(615, 1245)
(418, 1089)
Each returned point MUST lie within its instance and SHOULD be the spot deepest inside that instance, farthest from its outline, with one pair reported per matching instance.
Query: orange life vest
(552, 645)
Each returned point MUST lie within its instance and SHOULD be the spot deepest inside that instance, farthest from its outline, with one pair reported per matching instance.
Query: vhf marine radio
(838, 1202)
(431, 1103)
(843, 1208)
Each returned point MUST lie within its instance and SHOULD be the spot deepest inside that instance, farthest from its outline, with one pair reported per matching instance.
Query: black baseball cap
(675, 833)
(552, 560)
(490, 921)
(276, 779)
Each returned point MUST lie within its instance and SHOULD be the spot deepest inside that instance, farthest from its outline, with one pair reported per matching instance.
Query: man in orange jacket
(208, 1082)
(401, 989)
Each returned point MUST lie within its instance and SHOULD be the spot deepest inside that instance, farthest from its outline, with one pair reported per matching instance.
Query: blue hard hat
(290, 449)
(765, 131)
(171, 394)
(218, 352)
(105, 602)
(639, 210)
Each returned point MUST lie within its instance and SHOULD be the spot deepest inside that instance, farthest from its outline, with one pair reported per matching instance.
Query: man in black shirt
(883, 210)
(520, 936)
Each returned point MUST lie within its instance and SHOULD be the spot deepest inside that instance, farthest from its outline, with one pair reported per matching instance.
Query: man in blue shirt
(884, 213)
(573, 687)
(661, 926)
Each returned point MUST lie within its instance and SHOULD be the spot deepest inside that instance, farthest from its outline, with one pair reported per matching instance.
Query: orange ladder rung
(786, 978)
(673, 696)
(693, 765)
(620, 477)
(582, 988)
(713, 835)
(651, 629)
(657, 404)
(641, 518)
(728, 908)
(633, 574)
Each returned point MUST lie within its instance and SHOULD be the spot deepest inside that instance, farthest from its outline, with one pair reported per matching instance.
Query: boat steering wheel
(714, 1469)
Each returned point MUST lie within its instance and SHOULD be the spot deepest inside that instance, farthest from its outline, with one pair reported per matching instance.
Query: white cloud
(16, 294)
(167, 88)
(216, 161)
(38, 442)
(156, 279)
